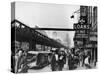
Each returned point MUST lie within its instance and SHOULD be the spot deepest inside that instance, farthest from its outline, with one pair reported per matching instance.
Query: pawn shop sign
(81, 26)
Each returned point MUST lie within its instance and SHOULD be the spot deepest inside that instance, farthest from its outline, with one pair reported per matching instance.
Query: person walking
(61, 60)
(53, 62)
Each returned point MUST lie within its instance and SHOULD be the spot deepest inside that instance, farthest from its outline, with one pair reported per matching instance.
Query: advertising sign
(81, 26)
(82, 30)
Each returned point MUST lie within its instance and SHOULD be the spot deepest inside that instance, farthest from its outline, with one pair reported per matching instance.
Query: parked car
(38, 59)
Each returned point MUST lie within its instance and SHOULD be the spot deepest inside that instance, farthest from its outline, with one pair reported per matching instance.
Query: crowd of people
(80, 57)
(76, 57)
(18, 59)
(73, 57)
(58, 60)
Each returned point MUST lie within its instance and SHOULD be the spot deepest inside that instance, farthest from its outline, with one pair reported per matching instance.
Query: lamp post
(73, 14)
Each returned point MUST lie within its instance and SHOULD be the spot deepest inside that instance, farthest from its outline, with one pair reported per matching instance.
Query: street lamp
(78, 11)
(72, 16)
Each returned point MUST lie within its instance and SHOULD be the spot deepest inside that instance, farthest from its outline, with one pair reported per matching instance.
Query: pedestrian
(53, 62)
(83, 58)
(18, 57)
(71, 61)
(24, 67)
(61, 60)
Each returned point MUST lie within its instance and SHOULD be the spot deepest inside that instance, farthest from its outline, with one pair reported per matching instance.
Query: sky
(47, 16)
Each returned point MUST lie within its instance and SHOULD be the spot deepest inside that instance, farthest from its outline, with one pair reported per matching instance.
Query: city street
(48, 68)
(54, 42)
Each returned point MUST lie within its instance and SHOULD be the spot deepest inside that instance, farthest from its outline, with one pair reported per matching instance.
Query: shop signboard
(82, 30)
(81, 26)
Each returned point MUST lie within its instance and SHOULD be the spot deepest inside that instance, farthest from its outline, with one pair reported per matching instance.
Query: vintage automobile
(38, 59)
